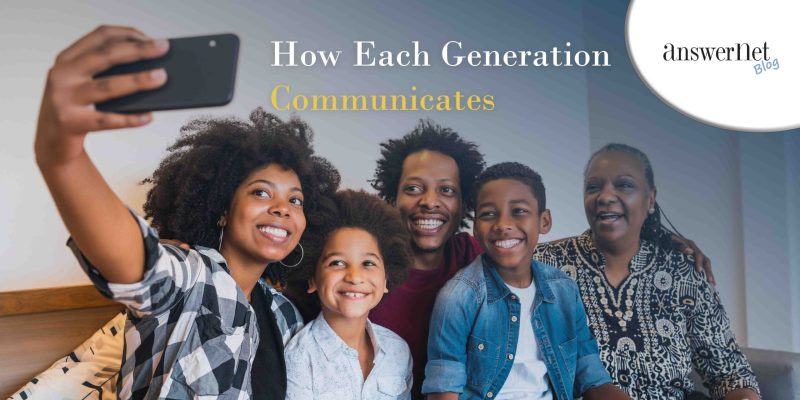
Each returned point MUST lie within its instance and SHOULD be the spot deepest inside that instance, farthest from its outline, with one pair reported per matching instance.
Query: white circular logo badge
(730, 64)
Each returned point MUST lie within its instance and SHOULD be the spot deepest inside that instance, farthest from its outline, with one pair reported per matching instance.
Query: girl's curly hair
(353, 209)
(195, 183)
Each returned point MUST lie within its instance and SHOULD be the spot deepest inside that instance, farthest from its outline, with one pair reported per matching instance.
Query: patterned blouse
(663, 319)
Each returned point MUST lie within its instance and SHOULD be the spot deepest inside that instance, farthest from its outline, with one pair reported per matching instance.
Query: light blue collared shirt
(319, 365)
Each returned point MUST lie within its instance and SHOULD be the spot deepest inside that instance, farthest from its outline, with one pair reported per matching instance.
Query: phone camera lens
(212, 43)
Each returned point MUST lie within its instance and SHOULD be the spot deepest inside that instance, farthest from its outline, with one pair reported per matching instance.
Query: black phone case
(201, 72)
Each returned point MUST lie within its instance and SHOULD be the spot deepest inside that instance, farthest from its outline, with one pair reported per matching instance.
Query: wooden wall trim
(51, 299)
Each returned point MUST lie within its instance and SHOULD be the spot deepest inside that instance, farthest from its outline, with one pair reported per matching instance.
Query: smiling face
(350, 276)
(508, 223)
(617, 198)
(429, 199)
(265, 219)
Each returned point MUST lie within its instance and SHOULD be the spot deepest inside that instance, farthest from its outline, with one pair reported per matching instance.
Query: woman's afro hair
(353, 209)
(195, 183)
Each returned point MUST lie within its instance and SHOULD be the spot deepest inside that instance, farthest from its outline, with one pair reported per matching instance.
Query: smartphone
(201, 72)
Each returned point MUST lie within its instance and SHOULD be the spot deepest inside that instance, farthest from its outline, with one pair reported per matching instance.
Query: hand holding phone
(67, 111)
(201, 70)
(114, 76)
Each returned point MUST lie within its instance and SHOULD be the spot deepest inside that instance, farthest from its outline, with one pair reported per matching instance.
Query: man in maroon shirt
(428, 175)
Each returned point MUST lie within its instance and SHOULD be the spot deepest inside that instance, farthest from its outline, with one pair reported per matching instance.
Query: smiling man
(428, 174)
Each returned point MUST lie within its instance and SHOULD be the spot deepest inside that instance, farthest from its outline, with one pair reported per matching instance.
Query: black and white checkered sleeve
(289, 320)
(169, 272)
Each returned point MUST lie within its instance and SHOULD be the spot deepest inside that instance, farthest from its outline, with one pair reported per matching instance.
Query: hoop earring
(302, 254)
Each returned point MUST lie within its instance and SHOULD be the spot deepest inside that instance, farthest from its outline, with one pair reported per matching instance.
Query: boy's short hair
(428, 135)
(352, 209)
(518, 172)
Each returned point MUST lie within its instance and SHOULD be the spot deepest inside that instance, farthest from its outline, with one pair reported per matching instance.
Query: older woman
(654, 315)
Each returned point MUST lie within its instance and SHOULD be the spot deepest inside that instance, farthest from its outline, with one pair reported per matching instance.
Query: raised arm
(98, 221)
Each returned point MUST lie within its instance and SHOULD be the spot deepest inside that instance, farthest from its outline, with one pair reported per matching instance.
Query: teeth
(274, 231)
(609, 216)
(507, 244)
(428, 223)
(354, 295)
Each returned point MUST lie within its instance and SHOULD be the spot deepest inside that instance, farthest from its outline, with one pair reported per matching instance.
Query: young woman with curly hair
(242, 193)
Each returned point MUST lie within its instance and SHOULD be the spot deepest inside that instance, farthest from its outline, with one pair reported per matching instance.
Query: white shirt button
(481, 347)
(490, 395)
(513, 318)
(510, 356)
(513, 297)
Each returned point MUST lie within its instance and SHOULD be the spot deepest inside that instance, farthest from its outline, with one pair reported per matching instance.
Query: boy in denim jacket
(506, 327)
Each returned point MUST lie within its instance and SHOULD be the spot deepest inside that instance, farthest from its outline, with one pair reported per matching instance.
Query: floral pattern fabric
(663, 320)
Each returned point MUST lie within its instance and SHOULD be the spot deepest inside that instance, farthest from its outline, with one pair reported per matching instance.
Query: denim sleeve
(589, 370)
(452, 317)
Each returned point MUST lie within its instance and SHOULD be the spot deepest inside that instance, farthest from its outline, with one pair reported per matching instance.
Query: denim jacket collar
(474, 335)
(496, 288)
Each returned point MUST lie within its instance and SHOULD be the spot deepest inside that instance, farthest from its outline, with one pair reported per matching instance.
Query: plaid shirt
(191, 332)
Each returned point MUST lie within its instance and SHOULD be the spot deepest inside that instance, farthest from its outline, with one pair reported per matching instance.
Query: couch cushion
(88, 372)
(778, 373)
